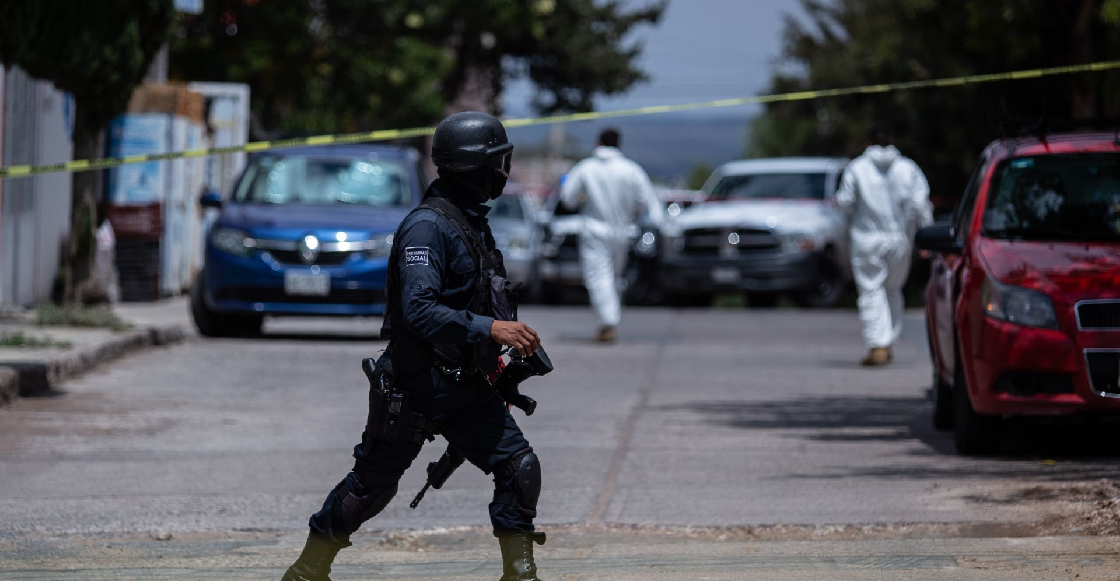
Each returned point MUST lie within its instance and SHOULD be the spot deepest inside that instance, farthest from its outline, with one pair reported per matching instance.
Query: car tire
(756, 300)
(691, 300)
(942, 392)
(942, 403)
(973, 433)
(828, 286)
(530, 292)
(211, 324)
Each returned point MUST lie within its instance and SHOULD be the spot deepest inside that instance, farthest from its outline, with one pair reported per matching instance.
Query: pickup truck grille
(715, 241)
(1099, 315)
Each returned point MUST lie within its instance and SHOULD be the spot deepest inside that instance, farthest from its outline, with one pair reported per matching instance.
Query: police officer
(436, 333)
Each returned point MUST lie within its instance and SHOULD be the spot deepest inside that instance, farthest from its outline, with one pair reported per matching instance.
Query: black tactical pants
(471, 417)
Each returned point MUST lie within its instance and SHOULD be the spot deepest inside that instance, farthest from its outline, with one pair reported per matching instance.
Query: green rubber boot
(314, 563)
(517, 556)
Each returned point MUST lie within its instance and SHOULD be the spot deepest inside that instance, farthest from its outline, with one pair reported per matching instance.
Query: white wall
(36, 127)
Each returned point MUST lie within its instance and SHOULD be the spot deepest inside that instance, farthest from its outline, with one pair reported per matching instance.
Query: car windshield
(770, 185)
(506, 207)
(1056, 197)
(312, 180)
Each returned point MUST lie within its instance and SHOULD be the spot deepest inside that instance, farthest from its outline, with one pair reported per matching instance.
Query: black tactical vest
(494, 296)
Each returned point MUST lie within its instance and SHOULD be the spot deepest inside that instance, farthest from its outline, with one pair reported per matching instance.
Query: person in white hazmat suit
(610, 191)
(886, 197)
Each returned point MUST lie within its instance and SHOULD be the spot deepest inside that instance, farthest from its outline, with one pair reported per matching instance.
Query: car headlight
(646, 244)
(233, 241)
(378, 246)
(794, 243)
(1018, 305)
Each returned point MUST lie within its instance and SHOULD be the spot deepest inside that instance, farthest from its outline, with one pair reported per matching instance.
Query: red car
(1023, 304)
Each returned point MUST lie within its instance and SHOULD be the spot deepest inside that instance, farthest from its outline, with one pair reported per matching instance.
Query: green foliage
(96, 51)
(699, 174)
(350, 65)
(855, 42)
(21, 339)
(314, 66)
(77, 315)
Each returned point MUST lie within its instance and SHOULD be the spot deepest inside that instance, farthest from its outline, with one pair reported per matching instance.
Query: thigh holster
(390, 418)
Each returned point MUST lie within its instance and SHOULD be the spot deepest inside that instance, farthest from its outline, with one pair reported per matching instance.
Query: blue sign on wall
(189, 6)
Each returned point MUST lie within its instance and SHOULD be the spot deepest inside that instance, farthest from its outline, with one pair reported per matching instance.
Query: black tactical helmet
(469, 140)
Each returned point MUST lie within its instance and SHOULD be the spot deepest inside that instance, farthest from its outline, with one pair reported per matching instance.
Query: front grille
(1026, 384)
(1099, 315)
(712, 241)
(324, 258)
(1104, 371)
(337, 296)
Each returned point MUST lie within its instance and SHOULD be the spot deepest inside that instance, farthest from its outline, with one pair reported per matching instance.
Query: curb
(31, 378)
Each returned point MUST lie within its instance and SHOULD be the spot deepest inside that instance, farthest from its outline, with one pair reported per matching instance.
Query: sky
(701, 50)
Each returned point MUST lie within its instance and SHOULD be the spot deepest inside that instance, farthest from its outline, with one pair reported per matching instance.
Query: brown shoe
(876, 357)
(606, 334)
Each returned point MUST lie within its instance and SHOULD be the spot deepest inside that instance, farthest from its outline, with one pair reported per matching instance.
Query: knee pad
(355, 510)
(524, 472)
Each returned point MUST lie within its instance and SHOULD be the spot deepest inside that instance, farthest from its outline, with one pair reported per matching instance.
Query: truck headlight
(378, 246)
(517, 246)
(233, 241)
(646, 244)
(1018, 305)
(795, 243)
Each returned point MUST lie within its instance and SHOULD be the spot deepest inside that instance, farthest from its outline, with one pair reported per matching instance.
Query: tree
(350, 65)
(98, 52)
(855, 42)
(572, 50)
(314, 66)
(698, 175)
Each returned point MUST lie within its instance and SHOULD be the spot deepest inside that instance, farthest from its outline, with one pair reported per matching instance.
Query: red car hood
(1066, 271)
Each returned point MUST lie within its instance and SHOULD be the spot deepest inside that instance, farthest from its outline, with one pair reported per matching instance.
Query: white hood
(781, 215)
(881, 156)
(605, 153)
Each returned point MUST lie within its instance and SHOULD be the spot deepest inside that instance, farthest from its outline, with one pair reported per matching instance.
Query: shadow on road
(861, 419)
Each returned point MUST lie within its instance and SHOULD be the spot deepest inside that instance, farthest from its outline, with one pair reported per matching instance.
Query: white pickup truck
(767, 227)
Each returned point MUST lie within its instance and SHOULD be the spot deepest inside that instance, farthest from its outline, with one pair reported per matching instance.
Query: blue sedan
(306, 231)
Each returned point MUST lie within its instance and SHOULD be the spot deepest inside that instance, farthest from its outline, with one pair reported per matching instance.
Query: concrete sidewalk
(571, 553)
(30, 371)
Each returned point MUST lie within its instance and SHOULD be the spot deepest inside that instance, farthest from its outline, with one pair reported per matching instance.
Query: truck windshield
(770, 185)
(1056, 197)
(311, 180)
(506, 207)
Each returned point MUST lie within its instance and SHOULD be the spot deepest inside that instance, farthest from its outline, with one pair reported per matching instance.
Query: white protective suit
(886, 197)
(610, 191)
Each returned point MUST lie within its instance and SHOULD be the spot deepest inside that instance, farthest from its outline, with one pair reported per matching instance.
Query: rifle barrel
(419, 496)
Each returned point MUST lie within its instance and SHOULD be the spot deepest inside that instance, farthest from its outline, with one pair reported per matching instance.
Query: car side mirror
(941, 238)
(210, 199)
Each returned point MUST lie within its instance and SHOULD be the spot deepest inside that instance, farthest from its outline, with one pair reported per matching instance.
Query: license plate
(724, 275)
(307, 283)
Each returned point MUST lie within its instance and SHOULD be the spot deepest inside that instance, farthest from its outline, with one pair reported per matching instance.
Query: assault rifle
(517, 370)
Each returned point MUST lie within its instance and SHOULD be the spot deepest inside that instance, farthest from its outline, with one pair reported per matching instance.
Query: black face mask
(484, 184)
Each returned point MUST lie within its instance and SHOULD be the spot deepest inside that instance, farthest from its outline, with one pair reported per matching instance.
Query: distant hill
(667, 145)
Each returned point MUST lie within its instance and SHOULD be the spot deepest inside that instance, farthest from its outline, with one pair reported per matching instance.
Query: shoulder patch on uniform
(416, 256)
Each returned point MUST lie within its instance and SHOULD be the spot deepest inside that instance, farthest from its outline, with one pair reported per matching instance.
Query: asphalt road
(695, 417)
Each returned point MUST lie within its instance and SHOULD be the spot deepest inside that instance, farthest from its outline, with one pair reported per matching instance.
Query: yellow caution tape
(13, 171)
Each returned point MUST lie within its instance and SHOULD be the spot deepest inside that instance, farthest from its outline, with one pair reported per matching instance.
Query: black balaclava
(478, 186)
